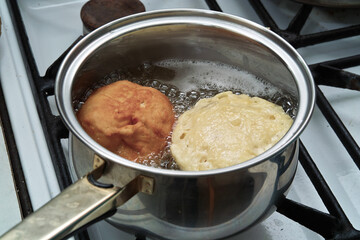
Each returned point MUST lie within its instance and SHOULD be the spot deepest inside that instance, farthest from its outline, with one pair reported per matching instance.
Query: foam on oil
(194, 75)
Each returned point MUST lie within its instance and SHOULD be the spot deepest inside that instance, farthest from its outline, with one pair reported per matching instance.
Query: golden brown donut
(128, 119)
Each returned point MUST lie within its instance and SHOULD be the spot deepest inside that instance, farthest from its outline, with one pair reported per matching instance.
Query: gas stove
(323, 201)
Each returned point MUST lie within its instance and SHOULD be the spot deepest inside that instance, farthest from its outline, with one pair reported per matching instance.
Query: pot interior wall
(131, 51)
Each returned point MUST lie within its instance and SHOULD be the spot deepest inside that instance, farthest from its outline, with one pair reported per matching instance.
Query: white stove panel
(31, 144)
(9, 206)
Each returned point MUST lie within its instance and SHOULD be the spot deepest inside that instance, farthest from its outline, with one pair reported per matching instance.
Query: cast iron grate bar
(322, 223)
(326, 36)
(264, 15)
(213, 5)
(334, 77)
(338, 126)
(341, 63)
(17, 172)
(331, 73)
(331, 226)
(298, 40)
(299, 20)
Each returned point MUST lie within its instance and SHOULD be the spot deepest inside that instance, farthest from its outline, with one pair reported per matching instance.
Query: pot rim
(95, 39)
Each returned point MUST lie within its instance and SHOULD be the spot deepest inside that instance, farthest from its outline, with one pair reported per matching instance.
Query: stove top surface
(52, 26)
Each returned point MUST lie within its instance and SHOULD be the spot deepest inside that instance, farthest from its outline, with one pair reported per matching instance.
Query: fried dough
(128, 119)
(225, 130)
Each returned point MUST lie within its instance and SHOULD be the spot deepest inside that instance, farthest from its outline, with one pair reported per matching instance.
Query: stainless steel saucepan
(173, 204)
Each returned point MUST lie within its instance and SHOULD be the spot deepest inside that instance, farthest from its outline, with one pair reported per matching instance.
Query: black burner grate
(334, 225)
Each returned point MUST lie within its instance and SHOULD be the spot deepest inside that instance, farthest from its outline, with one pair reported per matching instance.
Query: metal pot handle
(77, 205)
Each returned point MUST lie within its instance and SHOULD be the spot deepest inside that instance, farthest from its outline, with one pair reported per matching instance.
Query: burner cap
(96, 13)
